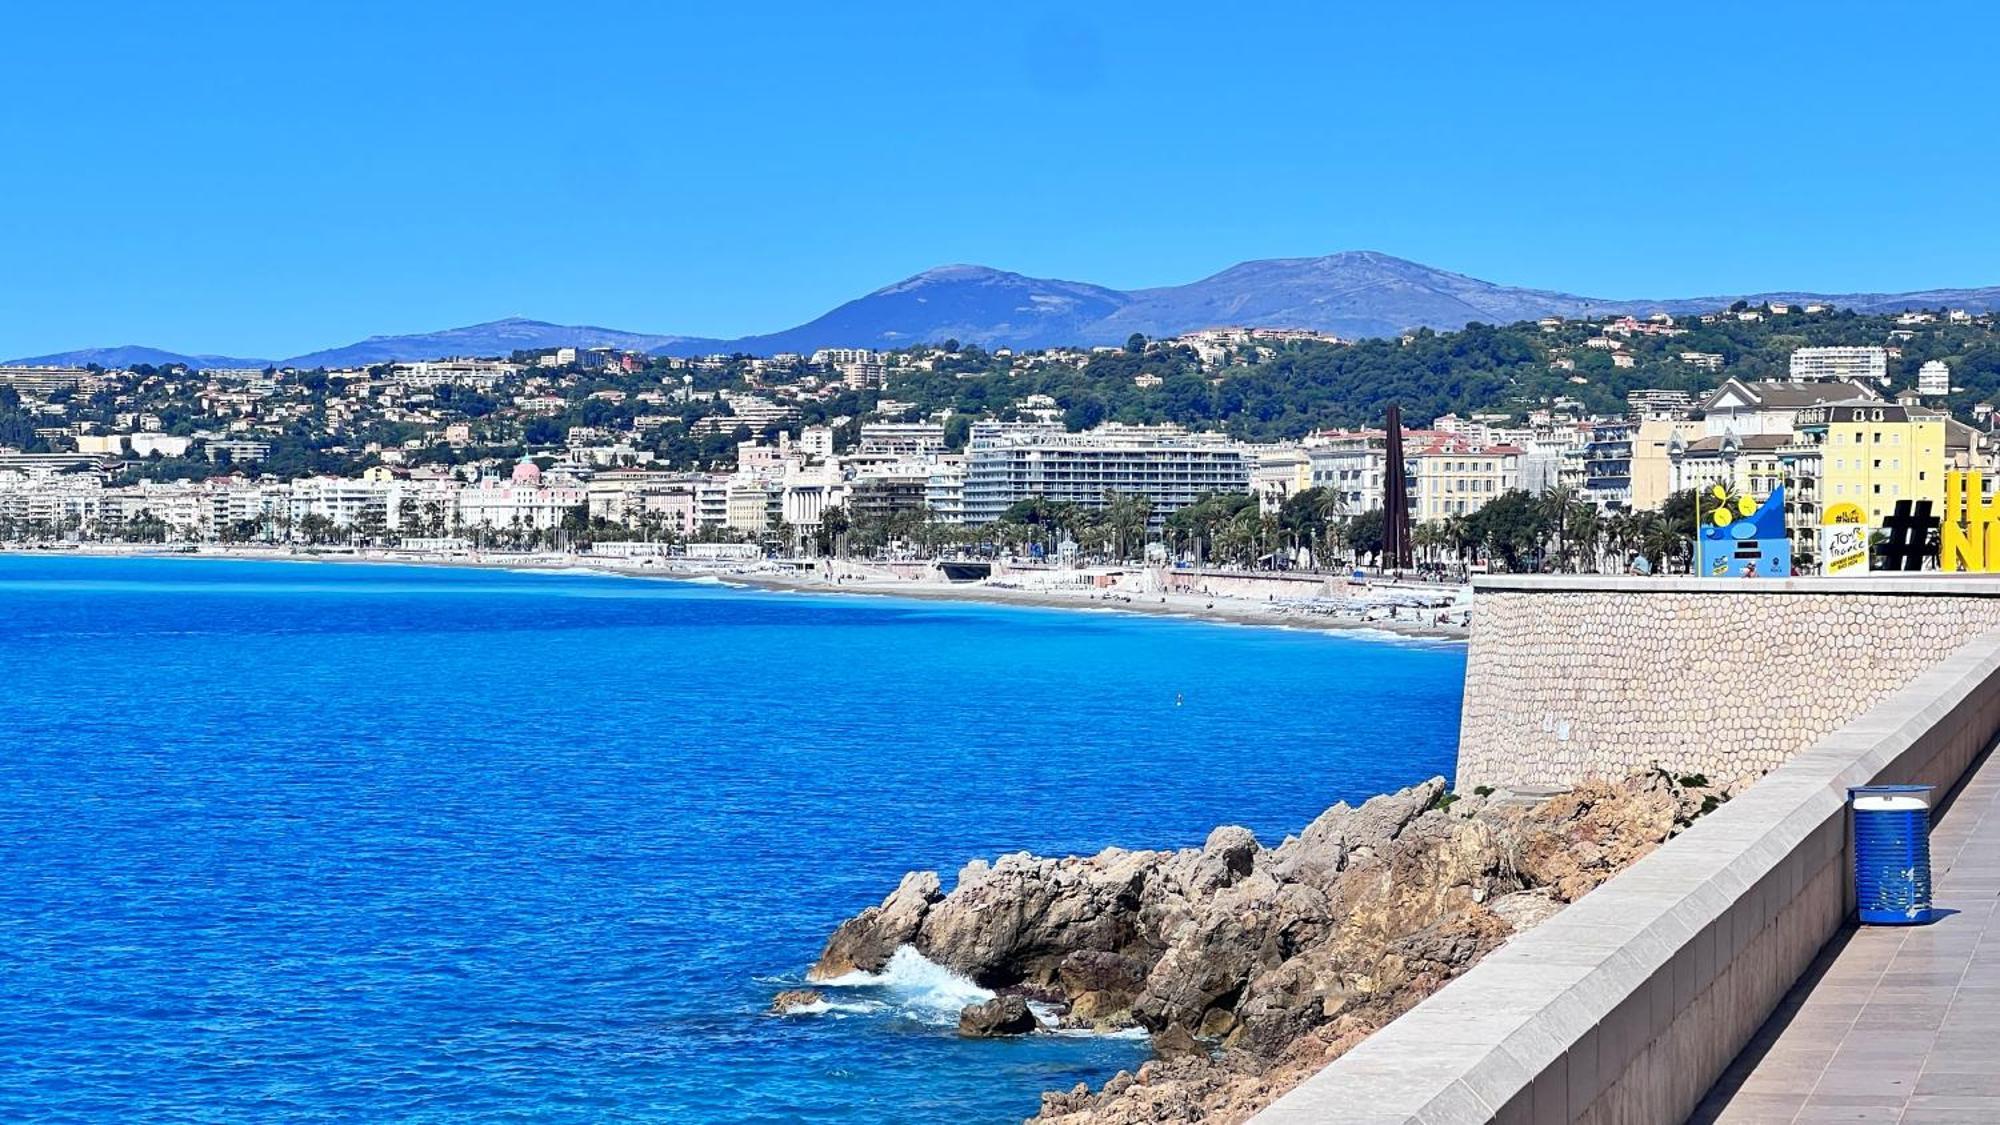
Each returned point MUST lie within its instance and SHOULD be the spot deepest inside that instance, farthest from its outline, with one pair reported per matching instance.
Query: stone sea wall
(1570, 678)
(1628, 1005)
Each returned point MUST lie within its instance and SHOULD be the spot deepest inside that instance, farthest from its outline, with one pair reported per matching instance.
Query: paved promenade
(1894, 1024)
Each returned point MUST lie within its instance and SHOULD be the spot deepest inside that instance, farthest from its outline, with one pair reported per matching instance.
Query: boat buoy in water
(1177, 699)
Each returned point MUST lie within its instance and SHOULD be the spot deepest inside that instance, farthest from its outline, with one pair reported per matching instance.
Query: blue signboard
(1741, 538)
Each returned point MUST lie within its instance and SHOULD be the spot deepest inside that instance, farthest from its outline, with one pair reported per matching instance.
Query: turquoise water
(287, 840)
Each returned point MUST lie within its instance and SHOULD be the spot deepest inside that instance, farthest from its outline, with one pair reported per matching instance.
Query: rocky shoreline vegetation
(1252, 967)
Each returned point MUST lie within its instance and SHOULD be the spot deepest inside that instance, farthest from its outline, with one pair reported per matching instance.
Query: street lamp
(1677, 448)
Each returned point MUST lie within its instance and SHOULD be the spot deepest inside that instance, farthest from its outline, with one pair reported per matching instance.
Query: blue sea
(328, 842)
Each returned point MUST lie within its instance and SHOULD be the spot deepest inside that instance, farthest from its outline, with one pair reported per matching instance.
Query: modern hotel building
(1010, 462)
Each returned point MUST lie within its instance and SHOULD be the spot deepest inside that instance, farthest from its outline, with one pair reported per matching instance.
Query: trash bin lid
(1882, 803)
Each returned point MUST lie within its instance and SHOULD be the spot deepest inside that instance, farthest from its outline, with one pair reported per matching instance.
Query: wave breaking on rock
(1251, 967)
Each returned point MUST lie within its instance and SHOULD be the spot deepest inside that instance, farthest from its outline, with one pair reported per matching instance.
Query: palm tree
(1126, 515)
(1586, 531)
(1552, 510)
(1429, 538)
(1462, 537)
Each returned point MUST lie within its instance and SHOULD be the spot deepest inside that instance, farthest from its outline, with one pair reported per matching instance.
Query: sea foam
(916, 986)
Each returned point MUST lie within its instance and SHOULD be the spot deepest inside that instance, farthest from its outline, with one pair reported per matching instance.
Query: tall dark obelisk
(1395, 498)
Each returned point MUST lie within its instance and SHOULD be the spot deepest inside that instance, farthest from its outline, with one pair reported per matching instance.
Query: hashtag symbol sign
(1908, 533)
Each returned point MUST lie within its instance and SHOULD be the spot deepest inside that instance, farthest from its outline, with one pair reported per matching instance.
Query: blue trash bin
(1892, 853)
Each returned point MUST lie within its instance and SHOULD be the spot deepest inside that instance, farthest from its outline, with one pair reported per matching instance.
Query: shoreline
(1217, 610)
(1206, 608)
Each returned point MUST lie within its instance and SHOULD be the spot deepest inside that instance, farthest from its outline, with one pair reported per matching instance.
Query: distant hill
(970, 303)
(1356, 293)
(496, 337)
(131, 355)
(1353, 294)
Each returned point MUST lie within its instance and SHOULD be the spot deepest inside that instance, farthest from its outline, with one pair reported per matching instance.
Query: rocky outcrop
(1002, 1015)
(865, 942)
(1254, 966)
(793, 999)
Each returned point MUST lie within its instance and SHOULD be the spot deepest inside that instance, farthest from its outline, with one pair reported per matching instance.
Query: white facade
(944, 492)
(901, 439)
(346, 503)
(460, 372)
(1810, 365)
(1352, 466)
(1167, 465)
(508, 504)
(1934, 378)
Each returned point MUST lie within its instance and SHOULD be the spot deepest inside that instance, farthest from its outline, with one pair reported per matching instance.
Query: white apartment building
(1934, 379)
(711, 502)
(753, 411)
(862, 375)
(619, 495)
(1741, 408)
(1656, 402)
(265, 503)
(1748, 463)
(834, 357)
(56, 503)
(1166, 464)
(901, 439)
(944, 492)
(1810, 365)
(425, 505)
(344, 502)
(237, 449)
(43, 380)
(1351, 464)
(458, 372)
(817, 441)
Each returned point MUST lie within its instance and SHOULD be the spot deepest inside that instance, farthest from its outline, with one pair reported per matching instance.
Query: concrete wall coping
(1918, 583)
(1543, 1026)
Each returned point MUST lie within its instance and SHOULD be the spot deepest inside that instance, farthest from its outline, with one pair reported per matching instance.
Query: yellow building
(1455, 478)
(1875, 453)
(1652, 468)
(1281, 473)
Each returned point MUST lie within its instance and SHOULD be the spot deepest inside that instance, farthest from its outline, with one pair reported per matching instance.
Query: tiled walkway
(1898, 1024)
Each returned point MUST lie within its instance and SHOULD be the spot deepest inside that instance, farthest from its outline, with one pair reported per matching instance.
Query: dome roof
(527, 472)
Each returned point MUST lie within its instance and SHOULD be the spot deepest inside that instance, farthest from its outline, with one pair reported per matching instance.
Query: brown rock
(1002, 1015)
(1287, 956)
(1100, 987)
(793, 999)
(1174, 1042)
(865, 942)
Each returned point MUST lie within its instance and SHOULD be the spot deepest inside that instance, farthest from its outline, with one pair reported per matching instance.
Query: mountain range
(1356, 293)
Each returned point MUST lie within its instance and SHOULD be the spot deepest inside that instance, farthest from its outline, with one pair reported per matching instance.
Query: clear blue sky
(264, 179)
